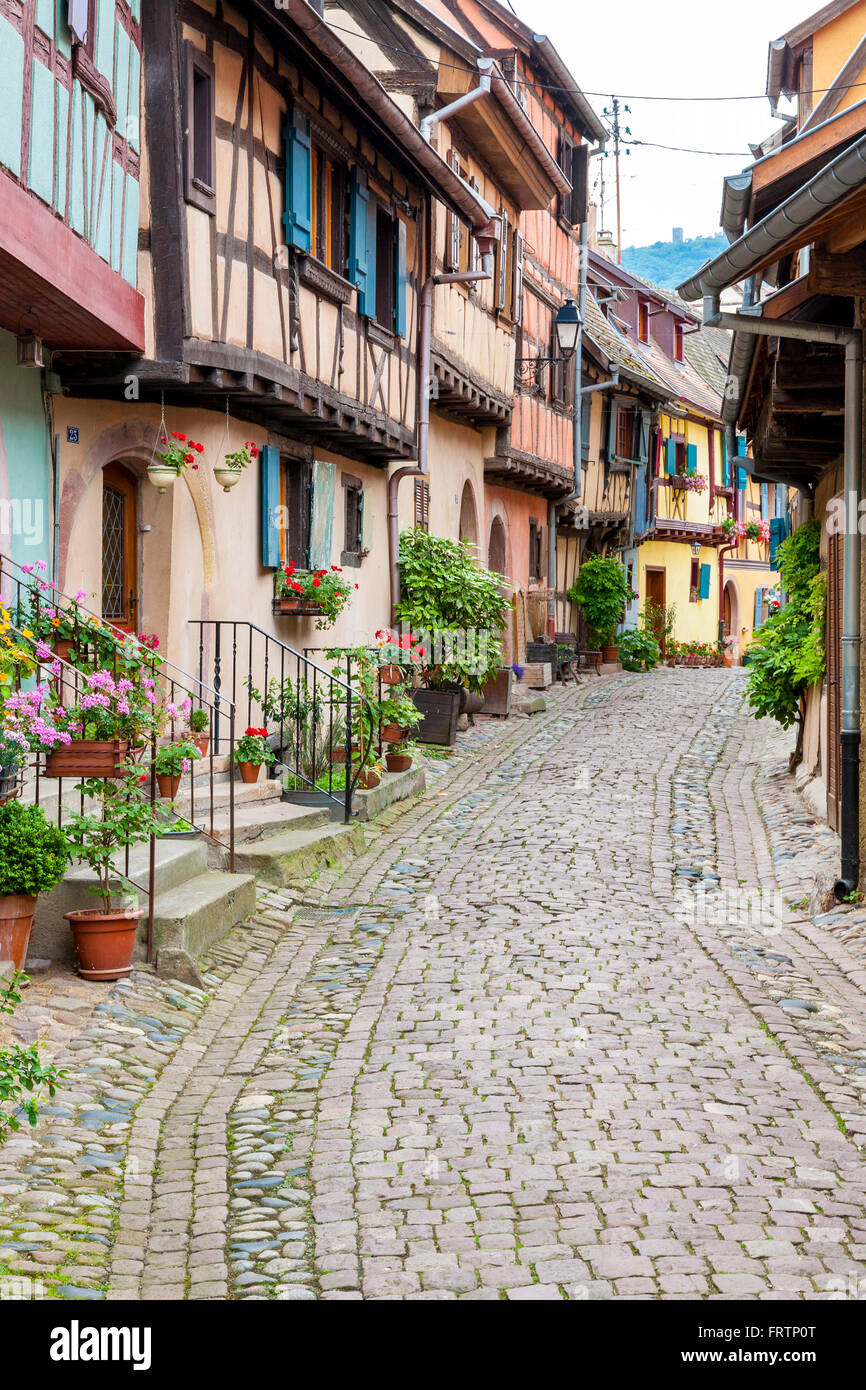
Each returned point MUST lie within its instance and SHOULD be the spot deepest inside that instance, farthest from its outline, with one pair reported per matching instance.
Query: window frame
(353, 545)
(329, 176)
(198, 191)
(386, 276)
(679, 343)
(296, 484)
(643, 321)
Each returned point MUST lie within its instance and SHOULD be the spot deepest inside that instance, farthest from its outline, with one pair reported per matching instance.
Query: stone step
(293, 856)
(246, 793)
(197, 913)
(256, 820)
(175, 863)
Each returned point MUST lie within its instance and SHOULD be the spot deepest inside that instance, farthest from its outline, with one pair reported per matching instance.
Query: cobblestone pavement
(566, 1030)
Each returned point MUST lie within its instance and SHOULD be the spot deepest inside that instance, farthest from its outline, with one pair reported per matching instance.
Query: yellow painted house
(691, 491)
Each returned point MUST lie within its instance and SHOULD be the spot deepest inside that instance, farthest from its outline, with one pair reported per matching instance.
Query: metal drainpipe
(731, 441)
(425, 343)
(444, 112)
(852, 341)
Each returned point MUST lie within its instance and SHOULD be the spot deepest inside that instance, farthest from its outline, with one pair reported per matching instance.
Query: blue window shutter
(759, 604)
(400, 296)
(778, 531)
(670, 456)
(359, 198)
(704, 589)
(370, 296)
(298, 217)
(741, 445)
(322, 514)
(726, 462)
(270, 507)
(691, 459)
(741, 479)
(765, 501)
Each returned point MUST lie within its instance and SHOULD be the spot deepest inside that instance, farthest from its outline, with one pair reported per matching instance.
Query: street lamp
(567, 326)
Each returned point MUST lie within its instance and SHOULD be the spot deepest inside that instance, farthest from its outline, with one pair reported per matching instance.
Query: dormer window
(643, 321)
(678, 342)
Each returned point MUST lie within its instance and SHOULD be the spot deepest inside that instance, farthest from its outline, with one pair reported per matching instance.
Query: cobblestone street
(566, 1030)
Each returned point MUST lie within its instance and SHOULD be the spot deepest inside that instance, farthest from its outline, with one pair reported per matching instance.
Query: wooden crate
(440, 709)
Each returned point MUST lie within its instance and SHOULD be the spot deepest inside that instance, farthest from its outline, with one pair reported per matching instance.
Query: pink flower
(27, 569)
(80, 595)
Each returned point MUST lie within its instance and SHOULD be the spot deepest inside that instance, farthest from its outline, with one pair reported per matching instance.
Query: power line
(585, 91)
(683, 149)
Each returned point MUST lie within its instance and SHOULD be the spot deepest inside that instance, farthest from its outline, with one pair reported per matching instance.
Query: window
(625, 422)
(199, 132)
(385, 273)
(329, 181)
(81, 18)
(678, 342)
(573, 161)
(558, 371)
(502, 262)
(535, 548)
(296, 504)
(456, 232)
(643, 322)
(517, 300)
(422, 504)
(694, 581)
(353, 510)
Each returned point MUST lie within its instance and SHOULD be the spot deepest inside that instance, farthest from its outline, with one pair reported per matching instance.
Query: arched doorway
(120, 597)
(496, 555)
(468, 515)
(731, 614)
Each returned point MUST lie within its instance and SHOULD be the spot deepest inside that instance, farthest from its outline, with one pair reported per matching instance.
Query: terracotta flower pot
(728, 658)
(202, 743)
(16, 920)
(250, 771)
(302, 606)
(392, 733)
(168, 784)
(398, 762)
(104, 941)
(368, 779)
(391, 673)
(338, 753)
(610, 654)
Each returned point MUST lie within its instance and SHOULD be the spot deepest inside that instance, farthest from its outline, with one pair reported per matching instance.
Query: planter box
(297, 607)
(497, 693)
(441, 709)
(88, 758)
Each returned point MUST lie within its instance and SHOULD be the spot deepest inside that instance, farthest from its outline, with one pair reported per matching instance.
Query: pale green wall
(25, 465)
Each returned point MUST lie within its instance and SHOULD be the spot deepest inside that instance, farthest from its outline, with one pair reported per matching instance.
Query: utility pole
(617, 131)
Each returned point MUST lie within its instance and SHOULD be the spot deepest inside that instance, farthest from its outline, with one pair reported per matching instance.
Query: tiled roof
(618, 347)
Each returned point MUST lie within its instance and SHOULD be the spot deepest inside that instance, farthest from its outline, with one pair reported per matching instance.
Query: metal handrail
(340, 694)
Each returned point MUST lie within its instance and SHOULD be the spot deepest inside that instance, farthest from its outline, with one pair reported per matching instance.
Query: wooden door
(656, 590)
(833, 777)
(120, 604)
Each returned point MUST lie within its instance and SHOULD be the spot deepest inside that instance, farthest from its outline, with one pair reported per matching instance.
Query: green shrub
(33, 854)
(601, 589)
(639, 650)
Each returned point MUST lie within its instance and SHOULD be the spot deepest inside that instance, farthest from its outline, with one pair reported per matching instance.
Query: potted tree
(252, 752)
(601, 589)
(398, 714)
(33, 858)
(105, 936)
(172, 763)
(458, 609)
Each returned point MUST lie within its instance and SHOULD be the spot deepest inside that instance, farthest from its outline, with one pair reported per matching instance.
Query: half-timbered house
(69, 199)
(284, 236)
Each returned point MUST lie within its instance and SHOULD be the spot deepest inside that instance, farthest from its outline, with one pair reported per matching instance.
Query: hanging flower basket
(227, 477)
(88, 758)
(178, 452)
(162, 478)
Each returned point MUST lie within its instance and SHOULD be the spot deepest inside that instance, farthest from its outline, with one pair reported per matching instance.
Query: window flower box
(88, 758)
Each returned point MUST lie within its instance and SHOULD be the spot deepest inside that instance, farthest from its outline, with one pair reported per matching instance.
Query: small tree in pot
(105, 936)
(601, 589)
(33, 859)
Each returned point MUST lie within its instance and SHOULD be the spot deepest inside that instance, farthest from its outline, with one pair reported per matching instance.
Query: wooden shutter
(765, 501)
(671, 456)
(742, 479)
(322, 514)
(270, 475)
(691, 459)
(422, 504)
(298, 216)
(400, 276)
(833, 639)
(502, 287)
(518, 278)
(759, 608)
(726, 462)
(778, 531)
(579, 183)
(704, 583)
(359, 198)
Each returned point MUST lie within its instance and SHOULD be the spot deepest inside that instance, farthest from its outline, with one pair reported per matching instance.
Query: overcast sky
(676, 48)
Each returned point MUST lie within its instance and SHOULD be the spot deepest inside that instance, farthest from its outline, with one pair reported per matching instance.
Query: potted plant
(602, 589)
(172, 762)
(399, 756)
(105, 936)
(370, 776)
(322, 594)
(730, 650)
(11, 756)
(457, 609)
(178, 452)
(92, 736)
(33, 858)
(397, 715)
(252, 752)
(229, 472)
(199, 721)
(180, 829)
(639, 650)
